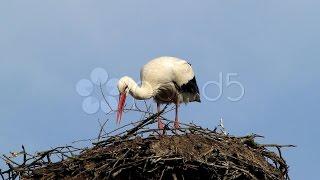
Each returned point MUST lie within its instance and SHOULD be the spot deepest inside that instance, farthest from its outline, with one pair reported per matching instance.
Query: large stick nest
(142, 153)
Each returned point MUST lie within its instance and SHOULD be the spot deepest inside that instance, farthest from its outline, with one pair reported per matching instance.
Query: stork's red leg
(176, 121)
(160, 123)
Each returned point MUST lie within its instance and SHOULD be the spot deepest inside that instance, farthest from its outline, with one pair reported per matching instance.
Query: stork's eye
(127, 89)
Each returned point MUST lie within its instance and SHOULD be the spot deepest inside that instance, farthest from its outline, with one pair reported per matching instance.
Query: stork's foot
(160, 124)
(176, 124)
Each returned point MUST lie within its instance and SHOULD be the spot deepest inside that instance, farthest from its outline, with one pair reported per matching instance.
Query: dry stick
(251, 136)
(104, 97)
(115, 164)
(117, 129)
(102, 128)
(245, 162)
(280, 154)
(162, 173)
(7, 159)
(136, 105)
(46, 153)
(244, 171)
(135, 110)
(277, 145)
(105, 135)
(145, 122)
(282, 166)
(48, 159)
(24, 155)
(145, 104)
(1, 175)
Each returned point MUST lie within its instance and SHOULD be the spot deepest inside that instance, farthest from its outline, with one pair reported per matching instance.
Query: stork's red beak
(122, 101)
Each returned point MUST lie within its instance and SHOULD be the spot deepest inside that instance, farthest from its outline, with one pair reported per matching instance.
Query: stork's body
(166, 80)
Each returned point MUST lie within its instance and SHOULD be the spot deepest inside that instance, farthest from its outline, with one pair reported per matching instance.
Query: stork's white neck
(145, 91)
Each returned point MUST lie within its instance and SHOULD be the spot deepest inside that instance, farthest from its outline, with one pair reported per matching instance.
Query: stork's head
(123, 87)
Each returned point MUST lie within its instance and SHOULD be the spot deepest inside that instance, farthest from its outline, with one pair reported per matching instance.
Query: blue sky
(46, 47)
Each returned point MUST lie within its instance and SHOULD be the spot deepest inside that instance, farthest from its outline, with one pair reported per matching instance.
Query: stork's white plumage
(166, 80)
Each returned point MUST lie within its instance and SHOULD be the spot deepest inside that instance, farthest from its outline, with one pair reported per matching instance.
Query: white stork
(166, 80)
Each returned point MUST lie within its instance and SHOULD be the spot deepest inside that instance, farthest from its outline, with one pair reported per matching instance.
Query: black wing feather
(191, 86)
